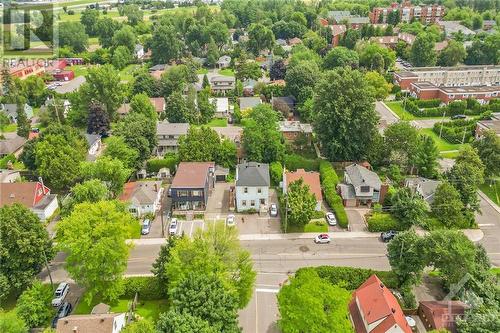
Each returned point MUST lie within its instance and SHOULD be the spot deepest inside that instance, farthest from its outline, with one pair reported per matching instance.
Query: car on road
(172, 229)
(330, 218)
(60, 294)
(322, 239)
(273, 211)
(230, 220)
(146, 227)
(388, 235)
(63, 311)
(458, 116)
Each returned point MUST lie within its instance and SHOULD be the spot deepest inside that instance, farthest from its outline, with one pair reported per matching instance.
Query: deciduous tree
(426, 159)
(301, 203)
(73, 34)
(166, 44)
(407, 257)
(93, 190)
(408, 207)
(94, 236)
(33, 306)
(447, 206)
(98, 120)
(10, 322)
(139, 133)
(342, 107)
(110, 171)
(277, 70)
(116, 148)
(175, 322)
(422, 51)
(140, 103)
(488, 148)
(23, 244)
(378, 86)
(341, 56)
(260, 38)
(311, 304)
(176, 109)
(452, 54)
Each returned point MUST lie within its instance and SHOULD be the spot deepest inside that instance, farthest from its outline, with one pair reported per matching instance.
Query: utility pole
(162, 212)
(286, 211)
(463, 137)
(442, 122)
(48, 268)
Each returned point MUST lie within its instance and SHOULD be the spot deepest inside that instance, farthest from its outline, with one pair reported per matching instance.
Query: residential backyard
(442, 145)
(397, 108)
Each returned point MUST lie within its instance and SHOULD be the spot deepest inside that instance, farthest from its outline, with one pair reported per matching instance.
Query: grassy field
(441, 144)
(226, 72)
(318, 225)
(217, 122)
(397, 108)
(80, 70)
(202, 71)
(10, 128)
(127, 74)
(492, 191)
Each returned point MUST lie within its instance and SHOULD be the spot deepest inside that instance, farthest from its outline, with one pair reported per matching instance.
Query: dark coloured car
(388, 235)
(458, 116)
(63, 311)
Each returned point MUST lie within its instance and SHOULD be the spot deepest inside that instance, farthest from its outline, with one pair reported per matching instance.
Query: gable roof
(253, 174)
(442, 314)
(141, 193)
(376, 304)
(22, 193)
(192, 174)
(92, 138)
(361, 176)
(166, 128)
(249, 102)
(425, 187)
(91, 323)
(11, 143)
(158, 103)
(310, 178)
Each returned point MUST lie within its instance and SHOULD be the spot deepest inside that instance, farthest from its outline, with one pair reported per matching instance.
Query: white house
(223, 62)
(94, 141)
(144, 197)
(222, 107)
(252, 186)
(139, 51)
(91, 323)
(32, 195)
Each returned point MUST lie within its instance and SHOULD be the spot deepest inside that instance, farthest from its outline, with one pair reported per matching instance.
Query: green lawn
(217, 122)
(226, 72)
(202, 71)
(441, 144)
(397, 108)
(10, 128)
(318, 225)
(449, 154)
(147, 309)
(80, 70)
(492, 190)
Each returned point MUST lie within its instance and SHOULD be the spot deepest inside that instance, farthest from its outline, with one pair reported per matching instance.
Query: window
(259, 190)
(197, 193)
(252, 203)
(243, 202)
(262, 201)
(245, 190)
(182, 193)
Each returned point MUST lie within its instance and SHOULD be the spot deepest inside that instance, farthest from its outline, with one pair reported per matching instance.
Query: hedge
(453, 131)
(382, 222)
(276, 172)
(294, 162)
(454, 108)
(147, 287)
(329, 181)
(428, 103)
(154, 165)
(349, 277)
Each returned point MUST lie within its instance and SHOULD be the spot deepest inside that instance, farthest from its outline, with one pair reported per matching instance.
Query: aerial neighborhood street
(253, 166)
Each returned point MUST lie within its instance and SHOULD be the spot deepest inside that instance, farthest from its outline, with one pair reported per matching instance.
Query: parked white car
(322, 239)
(273, 211)
(230, 220)
(330, 218)
(60, 294)
(172, 229)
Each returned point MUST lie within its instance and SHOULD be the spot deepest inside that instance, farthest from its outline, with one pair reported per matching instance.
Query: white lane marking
(485, 224)
(267, 290)
(191, 231)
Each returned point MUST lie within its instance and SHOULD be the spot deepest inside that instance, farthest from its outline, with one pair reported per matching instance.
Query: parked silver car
(60, 294)
(172, 229)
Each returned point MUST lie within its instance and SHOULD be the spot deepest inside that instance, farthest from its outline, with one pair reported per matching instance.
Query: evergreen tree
(427, 157)
(205, 83)
(23, 124)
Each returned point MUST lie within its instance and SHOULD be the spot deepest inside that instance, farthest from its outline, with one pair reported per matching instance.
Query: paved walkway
(473, 234)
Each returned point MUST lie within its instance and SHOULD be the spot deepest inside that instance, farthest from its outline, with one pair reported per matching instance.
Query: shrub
(408, 298)
(351, 278)
(428, 103)
(453, 131)
(329, 181)
(170, 161)
(382, 222)
(4, 161)
(318, 214)
(294, 162)
(276, 171)
(147, 287)
(33, 306)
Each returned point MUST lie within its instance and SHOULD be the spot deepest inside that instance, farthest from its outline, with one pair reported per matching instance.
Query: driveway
(387, 117)
(426, 123)
(356, 217)
(155, 231)
(218, 201)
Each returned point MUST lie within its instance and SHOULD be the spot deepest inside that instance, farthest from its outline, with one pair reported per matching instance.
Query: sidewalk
(489, 201)
(473, 234)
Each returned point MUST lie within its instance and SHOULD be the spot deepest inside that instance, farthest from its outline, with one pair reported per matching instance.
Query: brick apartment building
(408, 12)
(427, 90)
(459, 76)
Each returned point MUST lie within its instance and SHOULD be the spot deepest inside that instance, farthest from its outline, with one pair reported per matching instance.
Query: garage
(221, 174)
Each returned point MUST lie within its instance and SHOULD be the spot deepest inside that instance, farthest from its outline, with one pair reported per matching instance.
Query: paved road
(489, 222)
(387, 117)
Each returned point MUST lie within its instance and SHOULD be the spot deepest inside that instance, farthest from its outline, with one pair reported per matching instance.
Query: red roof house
(374, 309)
(438, 315)
(310, 178)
